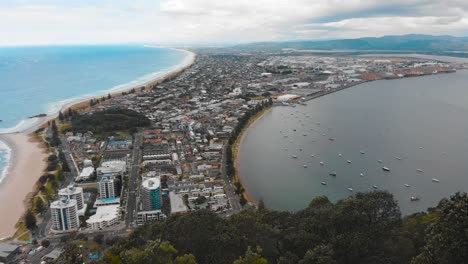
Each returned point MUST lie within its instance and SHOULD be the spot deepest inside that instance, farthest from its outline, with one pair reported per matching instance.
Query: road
(232, 197)
(133, 179)
(67, 153)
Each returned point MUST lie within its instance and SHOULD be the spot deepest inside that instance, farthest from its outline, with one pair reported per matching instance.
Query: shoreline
(27, 163)
(237, 147)
(28, 156)
(81, 102)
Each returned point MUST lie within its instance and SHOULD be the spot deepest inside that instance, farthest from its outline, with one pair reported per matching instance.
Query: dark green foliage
(30, 220)
(45, 243)
(252, 257)
(63, 161)
(109, 121)
(54, 141)
(447, 239)
(52, 165)
(40, 207)
(99, 238)
(321, 254)
(51, 157)
(364, 228)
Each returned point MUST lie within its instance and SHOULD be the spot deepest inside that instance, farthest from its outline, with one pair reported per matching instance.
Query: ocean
(42, 79)
(416, 127)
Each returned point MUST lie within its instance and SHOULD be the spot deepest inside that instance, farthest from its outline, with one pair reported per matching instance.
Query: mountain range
(412, 42)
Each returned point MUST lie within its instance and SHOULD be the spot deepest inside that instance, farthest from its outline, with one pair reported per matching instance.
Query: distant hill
(413, 42)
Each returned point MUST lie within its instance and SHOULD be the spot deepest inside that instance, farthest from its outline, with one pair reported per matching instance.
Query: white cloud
(178, 21)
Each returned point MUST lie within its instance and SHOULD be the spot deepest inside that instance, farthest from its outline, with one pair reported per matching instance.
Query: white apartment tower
(64, 215)
(72, 192)
(107, 187)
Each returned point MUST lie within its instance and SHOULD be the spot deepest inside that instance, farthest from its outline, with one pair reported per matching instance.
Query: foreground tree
(30, 220)
(252, 257)
(322, 254)
(447, 240)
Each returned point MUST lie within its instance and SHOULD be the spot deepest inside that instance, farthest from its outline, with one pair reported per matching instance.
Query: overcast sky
(32, 22)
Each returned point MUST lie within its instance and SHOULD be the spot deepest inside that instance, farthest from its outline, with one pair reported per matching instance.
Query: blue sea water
(36, 80)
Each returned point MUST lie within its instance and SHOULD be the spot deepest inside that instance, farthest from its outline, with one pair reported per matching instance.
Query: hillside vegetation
(366, 228)
(109, 121)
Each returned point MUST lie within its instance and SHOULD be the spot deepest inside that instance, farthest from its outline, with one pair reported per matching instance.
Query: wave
(5, 158)
(22, 125)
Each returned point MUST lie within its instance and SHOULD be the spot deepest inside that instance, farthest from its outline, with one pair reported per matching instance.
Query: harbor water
(417, 127)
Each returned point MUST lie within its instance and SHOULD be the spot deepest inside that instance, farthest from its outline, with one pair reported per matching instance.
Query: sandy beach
(26, 166)
(28, 159)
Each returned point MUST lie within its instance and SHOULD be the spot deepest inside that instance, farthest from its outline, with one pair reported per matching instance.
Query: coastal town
(177, 152)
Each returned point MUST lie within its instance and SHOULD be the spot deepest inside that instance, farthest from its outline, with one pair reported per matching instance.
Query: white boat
(348, 161)
(435, 180)
(350, 189)
(398, 158)
(294, 157)
(321, 163)
(339, 154)
(385, 169)
(375, 186)
(362, 152)
(419, 170)
(305, 166)
(311, 155)
(379, 161)
(420, 147)
(414, 198)
(323, 183)
(362, 174)
(407, 185)
(332, 174)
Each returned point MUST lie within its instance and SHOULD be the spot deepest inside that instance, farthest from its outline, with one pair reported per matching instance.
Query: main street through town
(233, 199)
(131, 213)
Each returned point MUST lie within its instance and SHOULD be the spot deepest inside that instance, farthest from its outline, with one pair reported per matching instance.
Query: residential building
(73, 192)
(8, 252)
(105, 216)
(150, 216)
(151, 194)
(64, 215)
(108, 187)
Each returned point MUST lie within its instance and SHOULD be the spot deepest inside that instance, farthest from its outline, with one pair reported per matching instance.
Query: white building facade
(64, 215)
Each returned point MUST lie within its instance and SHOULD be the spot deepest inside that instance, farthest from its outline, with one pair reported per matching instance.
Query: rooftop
(151, 183)
(6, 249)
(104, 213)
